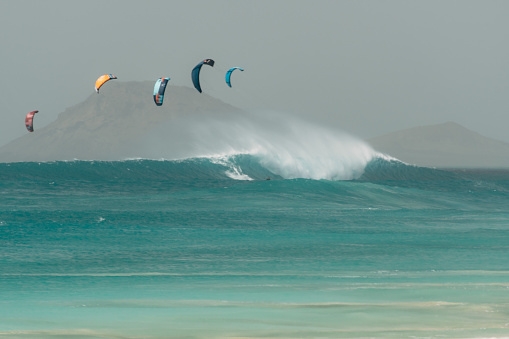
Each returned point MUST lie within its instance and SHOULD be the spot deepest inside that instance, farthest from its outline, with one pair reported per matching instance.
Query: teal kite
(229, 74)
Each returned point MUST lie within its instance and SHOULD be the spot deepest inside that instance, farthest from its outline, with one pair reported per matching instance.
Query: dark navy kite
(195, 74)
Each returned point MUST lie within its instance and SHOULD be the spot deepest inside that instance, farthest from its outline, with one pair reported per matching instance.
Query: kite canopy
(102, 80)
(229, 74)
(29, 121)
(195, 74)
(159, 89)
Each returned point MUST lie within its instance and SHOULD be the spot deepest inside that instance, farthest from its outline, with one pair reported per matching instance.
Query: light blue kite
(229, 74)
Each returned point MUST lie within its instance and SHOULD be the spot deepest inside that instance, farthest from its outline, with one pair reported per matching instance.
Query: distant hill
(110, 125)
(444, 145)
(123, 122)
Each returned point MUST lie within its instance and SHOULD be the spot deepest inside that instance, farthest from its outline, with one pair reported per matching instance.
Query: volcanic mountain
(112, 125)
(443, 145)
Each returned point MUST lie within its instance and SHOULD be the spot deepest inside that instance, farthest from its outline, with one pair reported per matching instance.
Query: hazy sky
(367, 67)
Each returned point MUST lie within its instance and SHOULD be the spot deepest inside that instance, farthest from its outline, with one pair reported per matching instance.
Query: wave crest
(287, 146)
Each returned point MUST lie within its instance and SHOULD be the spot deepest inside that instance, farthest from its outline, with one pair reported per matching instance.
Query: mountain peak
(443, 145)
(110, 125)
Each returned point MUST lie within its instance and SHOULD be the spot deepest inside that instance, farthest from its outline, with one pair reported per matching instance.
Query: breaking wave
(283, 145)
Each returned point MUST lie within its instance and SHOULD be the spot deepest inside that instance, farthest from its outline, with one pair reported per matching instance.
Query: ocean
(208, 247)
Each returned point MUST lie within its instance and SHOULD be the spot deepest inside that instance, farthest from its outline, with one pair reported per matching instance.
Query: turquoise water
(186, 249)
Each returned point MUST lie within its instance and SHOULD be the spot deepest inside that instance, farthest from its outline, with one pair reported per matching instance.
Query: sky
(366, 67)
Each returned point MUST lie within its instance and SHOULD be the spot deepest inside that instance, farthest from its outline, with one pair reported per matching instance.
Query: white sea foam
(234, 172)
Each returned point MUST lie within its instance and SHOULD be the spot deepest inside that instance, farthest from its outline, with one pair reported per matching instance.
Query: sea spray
(285, 145)
(315, 152)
